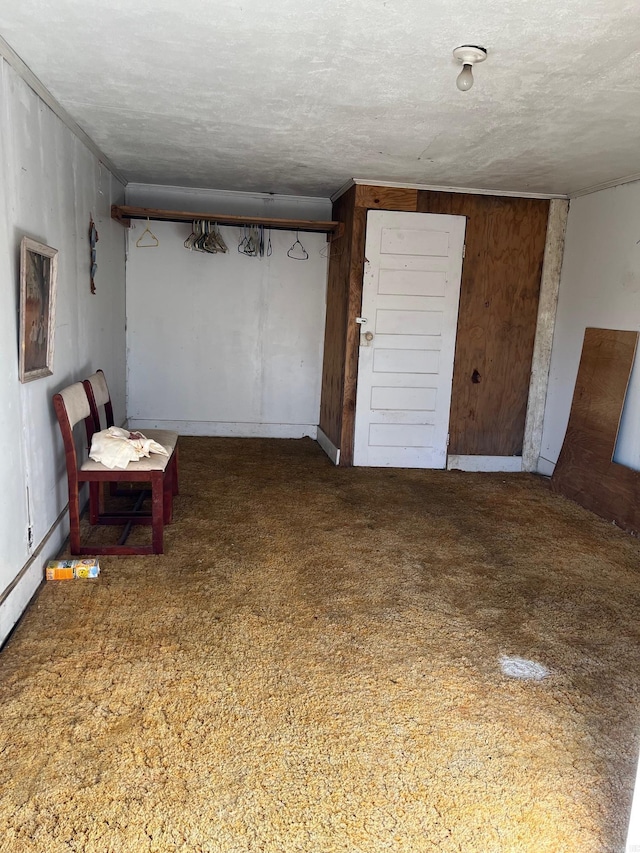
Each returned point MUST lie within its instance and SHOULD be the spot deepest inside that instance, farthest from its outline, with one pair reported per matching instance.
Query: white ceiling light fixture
(468, 55)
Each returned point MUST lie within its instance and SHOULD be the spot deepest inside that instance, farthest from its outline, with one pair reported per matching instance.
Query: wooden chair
(98, 394)
(72, 406)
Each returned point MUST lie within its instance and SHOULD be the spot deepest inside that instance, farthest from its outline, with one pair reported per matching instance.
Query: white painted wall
(50, 183)
(599, 286)
(225, 344)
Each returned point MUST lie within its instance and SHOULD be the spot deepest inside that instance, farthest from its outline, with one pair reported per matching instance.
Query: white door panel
(408, 322)
(412, 282)
(404, 241)
(406, 361)
(410, 302)
(395, 457)
(400, 435)
(408, 399)
(396, 342)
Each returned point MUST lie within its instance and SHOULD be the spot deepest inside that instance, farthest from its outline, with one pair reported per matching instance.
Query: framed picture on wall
(38, 278)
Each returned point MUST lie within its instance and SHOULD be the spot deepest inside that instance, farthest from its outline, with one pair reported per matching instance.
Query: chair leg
(175, 471)
(167, 497)
(94, 502)
(157, 511)
(74, 519)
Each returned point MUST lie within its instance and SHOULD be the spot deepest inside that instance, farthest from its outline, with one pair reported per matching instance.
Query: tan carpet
(314, 665)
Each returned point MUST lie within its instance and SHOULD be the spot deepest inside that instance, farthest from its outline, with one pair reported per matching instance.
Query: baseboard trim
(220, 429)
(507, 464)
(17, 595)
(545, 466)
(328, 446)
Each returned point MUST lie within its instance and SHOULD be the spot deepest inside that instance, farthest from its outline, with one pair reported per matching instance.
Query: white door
(413, 265)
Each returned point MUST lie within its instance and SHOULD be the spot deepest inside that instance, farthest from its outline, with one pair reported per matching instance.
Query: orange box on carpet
(66, 570)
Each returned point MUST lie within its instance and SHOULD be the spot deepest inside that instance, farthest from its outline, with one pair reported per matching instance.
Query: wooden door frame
(366, 198)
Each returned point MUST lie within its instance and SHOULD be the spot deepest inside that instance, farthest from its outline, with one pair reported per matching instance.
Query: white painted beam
(547, 306)
(328, 446)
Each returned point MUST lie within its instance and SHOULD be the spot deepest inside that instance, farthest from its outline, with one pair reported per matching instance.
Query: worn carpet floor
(314, 665)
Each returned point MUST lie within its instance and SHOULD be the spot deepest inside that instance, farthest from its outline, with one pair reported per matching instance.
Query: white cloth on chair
(116, 447)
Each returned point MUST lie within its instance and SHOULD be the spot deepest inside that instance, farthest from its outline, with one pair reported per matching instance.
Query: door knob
(368, 336)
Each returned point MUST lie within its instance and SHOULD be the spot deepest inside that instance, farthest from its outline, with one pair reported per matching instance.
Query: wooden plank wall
(497, 319)
(335, 333)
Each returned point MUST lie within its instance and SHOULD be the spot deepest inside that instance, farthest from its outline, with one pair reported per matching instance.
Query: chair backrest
(97, 392)
(76, 404)
(72, 406)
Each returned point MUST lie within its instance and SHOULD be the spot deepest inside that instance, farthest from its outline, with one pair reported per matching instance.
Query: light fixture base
(469, 54)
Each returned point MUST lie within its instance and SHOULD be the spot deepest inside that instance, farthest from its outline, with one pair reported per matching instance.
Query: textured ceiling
(297, 96)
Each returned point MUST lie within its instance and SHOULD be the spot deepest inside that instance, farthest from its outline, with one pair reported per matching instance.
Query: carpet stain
(314, 665)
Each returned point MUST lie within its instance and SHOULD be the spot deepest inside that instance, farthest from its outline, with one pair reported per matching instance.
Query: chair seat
(155, 462)
(166, 437)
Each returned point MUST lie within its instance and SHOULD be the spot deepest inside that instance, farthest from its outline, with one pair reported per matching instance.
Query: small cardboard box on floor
(66, 570)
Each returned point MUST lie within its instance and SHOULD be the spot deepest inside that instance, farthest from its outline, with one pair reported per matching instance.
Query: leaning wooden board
(585, 471)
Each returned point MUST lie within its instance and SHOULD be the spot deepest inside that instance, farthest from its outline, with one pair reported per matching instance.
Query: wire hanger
(243, 245)
(202, 236)
(213, 242)
(298, 254)
(329, 250)
(251, 241)
(154, 240)
(191, 239)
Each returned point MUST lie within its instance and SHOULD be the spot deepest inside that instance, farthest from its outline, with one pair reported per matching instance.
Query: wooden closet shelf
(124, 213)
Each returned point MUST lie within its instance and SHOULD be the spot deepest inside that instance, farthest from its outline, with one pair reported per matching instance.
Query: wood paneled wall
(497, 317)
(496, 323)
(335, 333)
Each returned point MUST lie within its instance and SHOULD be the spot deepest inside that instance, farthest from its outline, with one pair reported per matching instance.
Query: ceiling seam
(447, 189)
(607, 185)
(36, 85)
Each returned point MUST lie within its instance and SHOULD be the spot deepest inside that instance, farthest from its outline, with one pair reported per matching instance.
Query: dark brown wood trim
(125, 213)
(332, 394)
(117, 215)
(386, 198)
